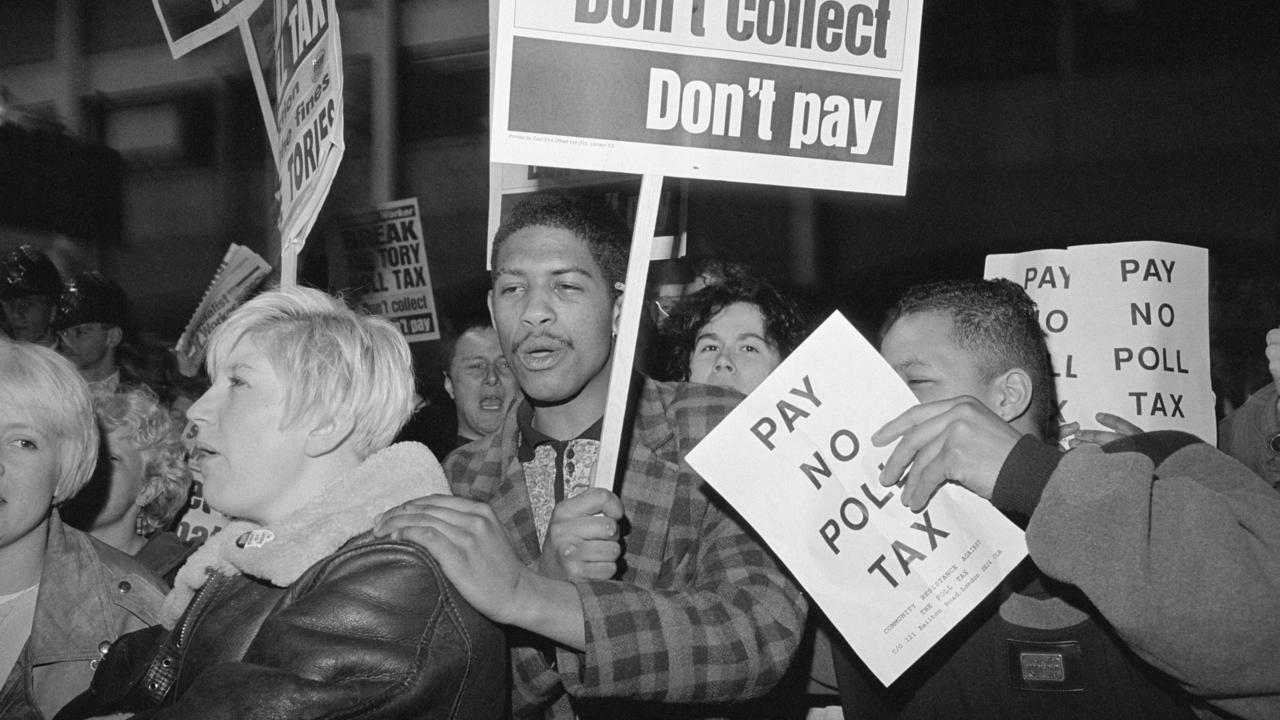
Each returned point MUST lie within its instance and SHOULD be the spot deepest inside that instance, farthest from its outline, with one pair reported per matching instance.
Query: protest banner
(1128, 329)
(796, 461)
(188, 24)
(309, 113)
(739, 91)
(387, 268)
(239, 273)
(304, 119)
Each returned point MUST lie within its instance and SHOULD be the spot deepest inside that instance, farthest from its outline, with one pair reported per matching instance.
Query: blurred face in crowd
(90, 346)
(920, 348)
(480, 383)
(250, 460)
(128, 475)
(731, 350)
(29, 317)
(554, 312)
(29, 473)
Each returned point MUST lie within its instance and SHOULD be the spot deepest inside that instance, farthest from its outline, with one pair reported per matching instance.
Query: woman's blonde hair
(333, 361)
(48, 387)
(136, 415)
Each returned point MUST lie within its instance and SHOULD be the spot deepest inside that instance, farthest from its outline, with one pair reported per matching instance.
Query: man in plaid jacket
(617, 605)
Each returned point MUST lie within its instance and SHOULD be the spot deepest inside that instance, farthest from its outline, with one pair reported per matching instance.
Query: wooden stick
(624, 346)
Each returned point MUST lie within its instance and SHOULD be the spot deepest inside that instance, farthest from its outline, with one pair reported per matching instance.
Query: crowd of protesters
(378, 557)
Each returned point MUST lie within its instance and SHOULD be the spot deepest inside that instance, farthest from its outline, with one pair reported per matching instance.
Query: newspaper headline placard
(188, 24)
(387, 267)
(309, 111)
(786, 92)
(238, 275)
(1128, 329)
(796, 461)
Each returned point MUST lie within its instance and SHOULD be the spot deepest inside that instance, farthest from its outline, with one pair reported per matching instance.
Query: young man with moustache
(1152, 561)
(614, 603)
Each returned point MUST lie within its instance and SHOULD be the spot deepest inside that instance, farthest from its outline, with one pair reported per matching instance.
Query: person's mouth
(541, 352)
(491, 403)
(202, 452)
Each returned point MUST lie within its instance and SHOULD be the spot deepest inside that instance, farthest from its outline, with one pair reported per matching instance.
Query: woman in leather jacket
(293, 610)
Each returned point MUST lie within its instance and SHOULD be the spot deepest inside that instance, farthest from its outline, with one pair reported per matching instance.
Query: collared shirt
(554, 470)
(700, 613)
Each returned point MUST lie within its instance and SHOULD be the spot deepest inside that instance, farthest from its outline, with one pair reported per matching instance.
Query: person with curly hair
(733, 334)
(141, 483)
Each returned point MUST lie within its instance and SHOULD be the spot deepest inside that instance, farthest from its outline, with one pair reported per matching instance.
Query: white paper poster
(1128, 328)
(803, 94)
(796, 461)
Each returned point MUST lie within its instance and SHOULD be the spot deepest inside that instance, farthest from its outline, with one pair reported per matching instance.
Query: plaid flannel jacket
(702, 612)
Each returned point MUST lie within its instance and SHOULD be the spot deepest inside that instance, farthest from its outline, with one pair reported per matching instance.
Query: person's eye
(750, 349)
(26, 444)
(568, 287)
(510, 289)
(918, 381)
(709, 347)
(236, 381)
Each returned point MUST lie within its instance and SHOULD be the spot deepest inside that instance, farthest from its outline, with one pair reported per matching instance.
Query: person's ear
(448, 386)
(617, 311)
(329, 435)
(114, 336)
(1011, 393)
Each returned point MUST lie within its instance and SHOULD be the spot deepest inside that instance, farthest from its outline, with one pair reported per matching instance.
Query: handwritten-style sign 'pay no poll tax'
(796, 461)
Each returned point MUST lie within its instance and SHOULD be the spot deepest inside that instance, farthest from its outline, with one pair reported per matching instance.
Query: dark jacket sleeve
(1178, 546)
(374, 632)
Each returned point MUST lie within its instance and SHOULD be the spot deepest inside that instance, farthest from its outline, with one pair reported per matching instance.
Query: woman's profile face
(248, 459)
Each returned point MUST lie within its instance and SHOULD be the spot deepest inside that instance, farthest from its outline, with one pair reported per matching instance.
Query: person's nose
(491, 374)
(201, 411)
(724, 363)
(538, 308)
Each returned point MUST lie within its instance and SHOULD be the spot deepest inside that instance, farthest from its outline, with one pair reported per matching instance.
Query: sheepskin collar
(280, 554)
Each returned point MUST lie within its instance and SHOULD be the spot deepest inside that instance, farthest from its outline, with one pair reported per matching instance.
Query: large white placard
(1128, 328)
(796, 460)
(785, 92)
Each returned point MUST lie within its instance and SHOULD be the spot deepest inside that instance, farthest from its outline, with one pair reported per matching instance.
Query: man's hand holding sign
(958, 440)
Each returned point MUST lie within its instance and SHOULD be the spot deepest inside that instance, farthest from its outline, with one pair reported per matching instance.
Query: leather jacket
(374, 630)
(89, 595)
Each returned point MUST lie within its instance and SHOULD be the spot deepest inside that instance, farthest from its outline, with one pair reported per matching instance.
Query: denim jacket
(89, 595)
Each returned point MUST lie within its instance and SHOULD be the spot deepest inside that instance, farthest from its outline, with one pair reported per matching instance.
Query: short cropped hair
(998, 323)
(48, 386)
(332, 360)
(785, 327)
(137, 415)
(591, 220)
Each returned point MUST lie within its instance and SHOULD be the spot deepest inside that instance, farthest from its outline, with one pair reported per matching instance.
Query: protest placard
(188, 24)
(796, 461)
(739, 90)
(1128, 328)
(239, 273)
(309, 115)
(386, 262)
